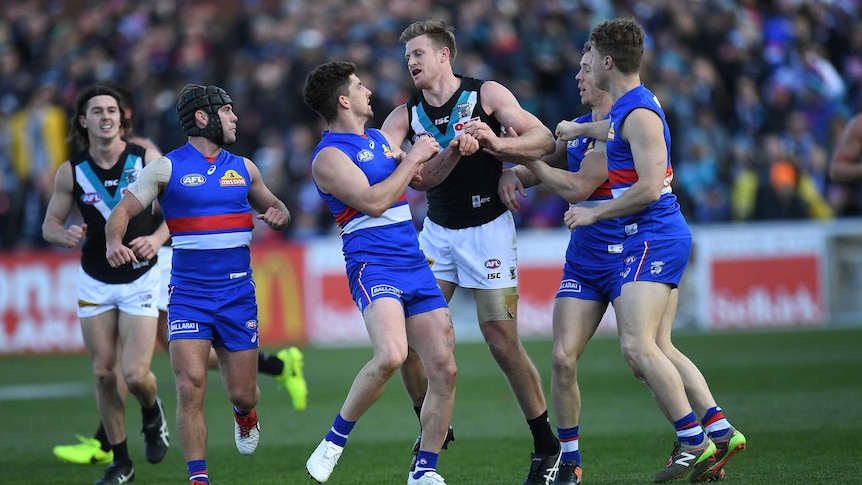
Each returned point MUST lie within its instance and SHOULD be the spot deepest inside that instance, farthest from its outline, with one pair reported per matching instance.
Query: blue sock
(425, 462)
(341, 428)
(240, 412)
(688, 430)
(198, 471)
(569, 445)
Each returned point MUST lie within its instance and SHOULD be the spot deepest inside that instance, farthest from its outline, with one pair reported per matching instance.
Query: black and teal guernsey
(468, 197)
(97, 191)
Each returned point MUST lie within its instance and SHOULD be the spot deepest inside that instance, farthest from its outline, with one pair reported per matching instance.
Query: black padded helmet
(208, 98)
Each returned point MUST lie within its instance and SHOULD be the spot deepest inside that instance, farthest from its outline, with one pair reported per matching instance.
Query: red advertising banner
(38, 302)
(767, 291)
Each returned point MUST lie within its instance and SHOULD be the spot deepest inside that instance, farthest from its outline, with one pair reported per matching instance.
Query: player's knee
(563, 362)
(389, 361)
(105, 376)
(138, 378)
(443, 369)
(189, 385)
(243, 398)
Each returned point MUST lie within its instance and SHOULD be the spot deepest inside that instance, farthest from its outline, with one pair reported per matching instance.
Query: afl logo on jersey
(231, 178)
(91, 198)
(493, 263)
(193, 180)
(251, 324)
(364, 156)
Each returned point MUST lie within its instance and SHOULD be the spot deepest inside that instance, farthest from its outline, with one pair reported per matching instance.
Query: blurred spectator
(779, 199)
(728, 73)
(38, 146)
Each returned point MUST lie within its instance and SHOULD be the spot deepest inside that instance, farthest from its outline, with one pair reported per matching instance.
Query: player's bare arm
(271, 209)
(644, 131)
(434, 171)
(336, 174)
(574, 187)
(140, 196)
(147, 247)
(528, 138)
(846, 163)
(569, 130)
(54, 228)
(515, 180)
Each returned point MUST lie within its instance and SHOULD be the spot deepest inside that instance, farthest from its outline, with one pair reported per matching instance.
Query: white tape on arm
(146, 188)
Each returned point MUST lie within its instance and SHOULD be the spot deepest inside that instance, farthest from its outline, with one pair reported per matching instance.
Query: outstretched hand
(508, 187)
(568, 130)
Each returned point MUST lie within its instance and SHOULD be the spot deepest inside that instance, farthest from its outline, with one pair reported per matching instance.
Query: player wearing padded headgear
(112, 300)
(469, 236)
(207, 195)
(209, 99)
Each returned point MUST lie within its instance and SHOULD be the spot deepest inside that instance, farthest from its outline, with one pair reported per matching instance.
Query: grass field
(797, 395)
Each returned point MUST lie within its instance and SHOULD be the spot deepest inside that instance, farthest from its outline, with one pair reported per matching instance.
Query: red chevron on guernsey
(179, 225)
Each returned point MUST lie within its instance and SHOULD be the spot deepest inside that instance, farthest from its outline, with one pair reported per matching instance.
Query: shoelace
(246, 423)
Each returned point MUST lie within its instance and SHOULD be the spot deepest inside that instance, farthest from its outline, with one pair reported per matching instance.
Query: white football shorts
(483, 257)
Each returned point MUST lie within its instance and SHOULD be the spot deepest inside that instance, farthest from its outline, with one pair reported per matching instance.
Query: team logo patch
(364, 156)
(385, 290)
(193, 180)
(493, 263)
(251, 324)
(91, 198)
(655, 267)
(130, 175)
(232, 178)
(612, 132)
(387, 152)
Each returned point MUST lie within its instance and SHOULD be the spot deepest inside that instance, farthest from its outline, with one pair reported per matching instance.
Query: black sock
(121, 452)
(544, 441)
(102, 436)
(269, 364)
(152, 413)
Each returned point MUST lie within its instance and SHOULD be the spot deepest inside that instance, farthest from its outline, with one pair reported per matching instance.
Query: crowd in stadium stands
(756, 92)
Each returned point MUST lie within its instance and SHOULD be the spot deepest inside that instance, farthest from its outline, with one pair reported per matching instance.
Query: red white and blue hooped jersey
(389, 239)
(206, 208)
(604, 236)
(661, 219)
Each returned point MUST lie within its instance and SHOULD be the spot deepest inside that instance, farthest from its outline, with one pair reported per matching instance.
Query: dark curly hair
(324, 84)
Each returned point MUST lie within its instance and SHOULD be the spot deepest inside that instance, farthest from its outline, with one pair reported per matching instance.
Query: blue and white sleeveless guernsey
(364, 237)
(206, 208)
(661, 219)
